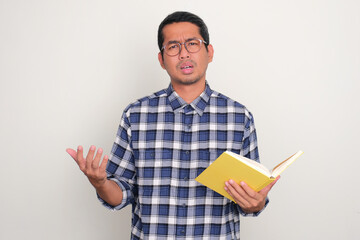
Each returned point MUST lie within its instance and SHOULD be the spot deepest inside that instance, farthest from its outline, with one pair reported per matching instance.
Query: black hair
(184, 17)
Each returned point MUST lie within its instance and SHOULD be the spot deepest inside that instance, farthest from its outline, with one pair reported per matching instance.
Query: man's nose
(184, 52)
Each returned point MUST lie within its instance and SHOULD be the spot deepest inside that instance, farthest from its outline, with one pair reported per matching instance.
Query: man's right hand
(108, 190)
(91, 166)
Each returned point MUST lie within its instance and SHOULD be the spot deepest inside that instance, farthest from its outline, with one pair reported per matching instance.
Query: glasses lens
(172, 49)
(193, 45)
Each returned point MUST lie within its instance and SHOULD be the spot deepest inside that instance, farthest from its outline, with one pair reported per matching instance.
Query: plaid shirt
(162, 145)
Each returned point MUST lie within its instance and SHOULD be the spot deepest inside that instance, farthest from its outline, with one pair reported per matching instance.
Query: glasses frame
(184, 43)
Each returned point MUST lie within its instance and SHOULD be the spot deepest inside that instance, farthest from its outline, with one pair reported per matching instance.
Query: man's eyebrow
(193, 38)
(174, 41)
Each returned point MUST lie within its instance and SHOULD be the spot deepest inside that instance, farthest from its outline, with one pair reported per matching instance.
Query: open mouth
(186, 65)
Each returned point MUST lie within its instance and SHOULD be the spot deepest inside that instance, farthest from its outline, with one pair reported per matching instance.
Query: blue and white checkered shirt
(162, 145)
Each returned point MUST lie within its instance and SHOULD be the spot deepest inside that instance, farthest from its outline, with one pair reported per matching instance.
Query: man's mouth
(186, 67)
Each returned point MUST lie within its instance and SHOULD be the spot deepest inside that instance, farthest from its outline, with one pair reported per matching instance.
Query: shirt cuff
(123, 202)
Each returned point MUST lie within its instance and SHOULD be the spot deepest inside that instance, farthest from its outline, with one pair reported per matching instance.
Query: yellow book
(230, 165)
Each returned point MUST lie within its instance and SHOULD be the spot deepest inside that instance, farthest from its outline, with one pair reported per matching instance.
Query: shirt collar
(199, 104)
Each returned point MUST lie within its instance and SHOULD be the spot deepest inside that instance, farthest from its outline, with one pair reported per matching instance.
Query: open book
(230, 165)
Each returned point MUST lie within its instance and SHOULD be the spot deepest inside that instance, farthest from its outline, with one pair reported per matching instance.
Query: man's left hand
(249, 200)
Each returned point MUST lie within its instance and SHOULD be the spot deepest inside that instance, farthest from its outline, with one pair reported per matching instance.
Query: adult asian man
(168, 138)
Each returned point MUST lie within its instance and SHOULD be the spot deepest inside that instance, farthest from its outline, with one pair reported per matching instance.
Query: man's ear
(210, 53)
(161, 60)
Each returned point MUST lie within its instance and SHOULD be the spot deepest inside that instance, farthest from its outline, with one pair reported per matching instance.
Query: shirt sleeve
(121, 165)
(250, 150)
(249, 147)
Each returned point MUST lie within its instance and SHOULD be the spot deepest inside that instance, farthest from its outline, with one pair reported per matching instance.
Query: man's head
(177, 17)
(185, 51)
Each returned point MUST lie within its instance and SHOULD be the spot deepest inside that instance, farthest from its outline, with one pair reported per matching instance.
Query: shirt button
(182, 231)
(186, 178)
(187, 152)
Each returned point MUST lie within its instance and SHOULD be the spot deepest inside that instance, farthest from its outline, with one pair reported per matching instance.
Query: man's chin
(187, 82)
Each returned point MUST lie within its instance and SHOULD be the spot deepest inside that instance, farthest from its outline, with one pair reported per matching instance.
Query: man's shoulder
(223, 103)
(220, 99)
(152, 100)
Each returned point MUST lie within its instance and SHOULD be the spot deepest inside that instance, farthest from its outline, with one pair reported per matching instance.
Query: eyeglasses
(191, 45)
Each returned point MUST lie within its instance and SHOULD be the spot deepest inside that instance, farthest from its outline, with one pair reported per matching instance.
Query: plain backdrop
(69, 68)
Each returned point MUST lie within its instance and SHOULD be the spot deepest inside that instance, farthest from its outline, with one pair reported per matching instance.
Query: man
(167, 139)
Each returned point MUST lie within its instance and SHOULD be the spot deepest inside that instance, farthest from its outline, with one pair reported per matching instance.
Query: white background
(69, 68)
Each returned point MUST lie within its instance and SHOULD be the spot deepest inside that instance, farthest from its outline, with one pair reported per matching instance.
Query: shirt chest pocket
(154, 169)
(154, 166)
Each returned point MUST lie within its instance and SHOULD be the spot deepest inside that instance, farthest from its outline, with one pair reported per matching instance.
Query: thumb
(267, 189)
(72, 153)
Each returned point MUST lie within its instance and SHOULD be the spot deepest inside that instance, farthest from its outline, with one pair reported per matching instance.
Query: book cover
(233, 166)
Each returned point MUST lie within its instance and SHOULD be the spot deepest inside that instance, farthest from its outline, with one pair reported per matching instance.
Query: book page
(254, 164)
(284, 164)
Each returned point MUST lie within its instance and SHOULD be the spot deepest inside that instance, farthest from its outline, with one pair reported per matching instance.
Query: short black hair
(183, 17)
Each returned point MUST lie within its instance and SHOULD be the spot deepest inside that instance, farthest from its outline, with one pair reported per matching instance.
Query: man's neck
(189, 92)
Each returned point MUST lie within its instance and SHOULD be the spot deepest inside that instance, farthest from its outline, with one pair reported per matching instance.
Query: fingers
(250, 192)
(79, 154)
(90, 157)
(90, 166)
(248, 199)
(90, 162)
(104, 163)
(80, 158)
(76, 155)
(95, 163)
(236, 192)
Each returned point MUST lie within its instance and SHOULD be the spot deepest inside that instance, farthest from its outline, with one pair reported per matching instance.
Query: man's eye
(173, 46)
(193, 43)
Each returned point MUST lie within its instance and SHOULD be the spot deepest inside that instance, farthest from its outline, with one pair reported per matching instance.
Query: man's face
(185, 68)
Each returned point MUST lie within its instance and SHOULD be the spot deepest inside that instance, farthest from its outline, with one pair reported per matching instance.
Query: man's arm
(249, 200)
(108, 190)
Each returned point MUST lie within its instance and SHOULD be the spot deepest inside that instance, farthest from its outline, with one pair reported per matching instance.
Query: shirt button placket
(187, 129)
(188, 117)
